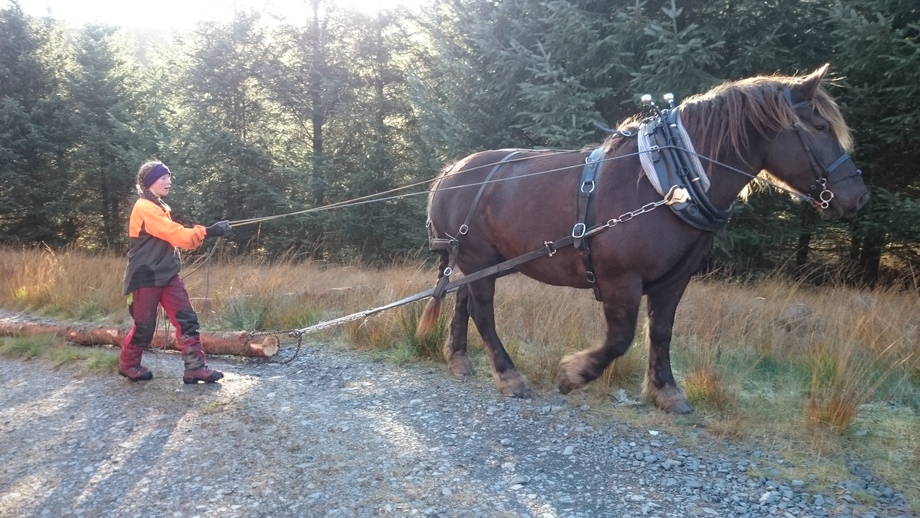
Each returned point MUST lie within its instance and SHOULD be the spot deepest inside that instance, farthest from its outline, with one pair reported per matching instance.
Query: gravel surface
(334, 433)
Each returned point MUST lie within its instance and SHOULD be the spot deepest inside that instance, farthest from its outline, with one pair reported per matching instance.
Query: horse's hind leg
(458, 361)
(621, 310)
(507, 378)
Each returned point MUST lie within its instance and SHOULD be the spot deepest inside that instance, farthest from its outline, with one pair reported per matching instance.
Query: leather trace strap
(585, 191)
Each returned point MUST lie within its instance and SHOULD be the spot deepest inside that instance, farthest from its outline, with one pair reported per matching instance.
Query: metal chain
(289, 332)
(675, 195)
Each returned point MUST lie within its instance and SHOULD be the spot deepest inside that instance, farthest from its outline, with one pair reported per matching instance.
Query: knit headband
(158, 171)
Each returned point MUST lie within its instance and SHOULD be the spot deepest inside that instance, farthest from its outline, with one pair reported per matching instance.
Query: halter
(822, 173)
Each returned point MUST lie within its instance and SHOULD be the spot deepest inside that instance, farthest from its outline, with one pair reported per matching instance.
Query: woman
(152, 278)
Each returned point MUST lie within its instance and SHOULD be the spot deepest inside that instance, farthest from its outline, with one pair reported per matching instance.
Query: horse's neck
(728, 180)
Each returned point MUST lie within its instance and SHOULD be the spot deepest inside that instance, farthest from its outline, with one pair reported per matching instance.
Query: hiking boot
(195, 367)
(129, 363)
(136, 373)
(203, 373)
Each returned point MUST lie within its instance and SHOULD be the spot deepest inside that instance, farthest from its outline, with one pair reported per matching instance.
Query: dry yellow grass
(796, 368)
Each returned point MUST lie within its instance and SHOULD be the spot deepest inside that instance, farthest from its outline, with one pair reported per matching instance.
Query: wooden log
(236, 344)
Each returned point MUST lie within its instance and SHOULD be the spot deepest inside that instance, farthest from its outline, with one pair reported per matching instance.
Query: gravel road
(336, 433)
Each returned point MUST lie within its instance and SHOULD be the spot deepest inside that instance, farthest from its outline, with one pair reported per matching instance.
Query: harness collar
(669, 160)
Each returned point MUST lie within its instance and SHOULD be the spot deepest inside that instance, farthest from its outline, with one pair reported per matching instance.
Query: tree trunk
(870, 259)
(806, 224)
(236, 344)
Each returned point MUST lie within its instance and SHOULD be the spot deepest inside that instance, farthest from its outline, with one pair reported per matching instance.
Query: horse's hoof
(669, 398)
(518, 392)
(682, 407)
(460, 366)
(511, 384)
(571, 373)
(565, 386)
(674, 406)
(567, 382)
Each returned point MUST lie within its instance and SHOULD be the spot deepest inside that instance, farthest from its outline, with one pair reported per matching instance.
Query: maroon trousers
(175, 301)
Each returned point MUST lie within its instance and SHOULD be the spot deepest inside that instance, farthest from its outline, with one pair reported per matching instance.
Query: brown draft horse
(739, 129)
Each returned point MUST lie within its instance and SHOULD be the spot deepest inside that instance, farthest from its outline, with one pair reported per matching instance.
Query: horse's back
(506, 190)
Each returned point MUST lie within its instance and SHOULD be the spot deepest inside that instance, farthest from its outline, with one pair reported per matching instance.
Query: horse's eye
(821, 127)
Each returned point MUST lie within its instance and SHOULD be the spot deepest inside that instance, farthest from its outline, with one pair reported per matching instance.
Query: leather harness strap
(452, 244)
(579, 240)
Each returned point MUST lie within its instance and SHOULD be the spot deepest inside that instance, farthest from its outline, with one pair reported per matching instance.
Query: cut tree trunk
(237, 344)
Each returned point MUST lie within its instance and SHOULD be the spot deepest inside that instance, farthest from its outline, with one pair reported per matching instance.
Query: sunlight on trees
(263, 113)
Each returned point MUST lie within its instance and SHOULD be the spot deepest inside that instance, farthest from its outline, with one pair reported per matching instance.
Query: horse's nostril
(863, 199)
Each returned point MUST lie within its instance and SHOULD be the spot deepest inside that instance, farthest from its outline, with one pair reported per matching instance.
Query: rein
(824, 196)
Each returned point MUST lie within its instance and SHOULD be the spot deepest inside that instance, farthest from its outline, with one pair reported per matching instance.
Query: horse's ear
(812, 82)
(822, 71)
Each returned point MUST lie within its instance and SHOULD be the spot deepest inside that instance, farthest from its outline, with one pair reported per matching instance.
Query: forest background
(264, 116)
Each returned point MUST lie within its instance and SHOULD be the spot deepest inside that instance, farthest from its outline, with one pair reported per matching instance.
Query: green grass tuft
(58, 353)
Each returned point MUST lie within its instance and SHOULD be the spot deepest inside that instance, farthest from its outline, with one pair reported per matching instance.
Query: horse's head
(811, 156)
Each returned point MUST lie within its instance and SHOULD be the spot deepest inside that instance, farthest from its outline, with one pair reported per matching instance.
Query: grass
(90, 360)
(819, 376)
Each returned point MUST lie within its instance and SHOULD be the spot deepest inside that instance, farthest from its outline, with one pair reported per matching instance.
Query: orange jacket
(153, 258)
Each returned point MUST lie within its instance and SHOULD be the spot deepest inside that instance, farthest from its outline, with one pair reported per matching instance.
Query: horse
(500, 204)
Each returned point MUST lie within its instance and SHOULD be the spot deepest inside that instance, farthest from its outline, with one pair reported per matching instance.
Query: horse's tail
(429, 318)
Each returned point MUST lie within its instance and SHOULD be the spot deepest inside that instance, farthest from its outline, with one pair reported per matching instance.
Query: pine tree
(35, 131)
(113, 137)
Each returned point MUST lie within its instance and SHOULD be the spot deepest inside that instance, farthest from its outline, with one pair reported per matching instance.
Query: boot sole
(143, 377)
(192, 381)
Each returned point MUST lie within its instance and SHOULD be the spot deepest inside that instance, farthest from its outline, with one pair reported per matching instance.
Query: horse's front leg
(507, 378)
(659, 385)
(621, 310)
(458, 361)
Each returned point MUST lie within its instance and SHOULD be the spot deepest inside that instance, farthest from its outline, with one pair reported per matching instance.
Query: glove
(221, 228)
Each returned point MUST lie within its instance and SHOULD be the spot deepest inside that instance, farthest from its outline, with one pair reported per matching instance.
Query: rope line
(374, 198)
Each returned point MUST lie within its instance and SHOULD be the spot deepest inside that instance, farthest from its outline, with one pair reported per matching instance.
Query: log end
(268, 347)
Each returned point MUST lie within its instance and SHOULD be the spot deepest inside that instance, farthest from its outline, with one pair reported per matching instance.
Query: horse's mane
(723, 116)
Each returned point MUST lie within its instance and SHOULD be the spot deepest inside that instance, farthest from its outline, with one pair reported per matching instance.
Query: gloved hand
(221, 228)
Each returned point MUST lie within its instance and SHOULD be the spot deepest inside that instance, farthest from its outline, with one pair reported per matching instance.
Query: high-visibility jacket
(153, 258)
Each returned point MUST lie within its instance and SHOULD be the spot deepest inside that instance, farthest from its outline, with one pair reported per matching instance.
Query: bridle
(822, 173)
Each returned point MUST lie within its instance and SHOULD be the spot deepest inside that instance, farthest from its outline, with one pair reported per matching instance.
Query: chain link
(623, 218)
(271, 359)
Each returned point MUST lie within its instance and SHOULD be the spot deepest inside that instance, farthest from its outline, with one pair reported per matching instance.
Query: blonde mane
(720, 120)
(724, 115)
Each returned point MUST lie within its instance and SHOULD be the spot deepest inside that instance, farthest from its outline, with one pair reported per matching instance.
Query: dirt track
(334, 433)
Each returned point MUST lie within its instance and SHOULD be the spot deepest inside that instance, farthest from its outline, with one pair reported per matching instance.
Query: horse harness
(674, 170)
(671, 166)
(579, 238)
(452, 243)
